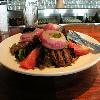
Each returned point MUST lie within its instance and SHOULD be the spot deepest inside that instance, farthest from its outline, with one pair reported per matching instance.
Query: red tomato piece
(30, 61)
(79, 49)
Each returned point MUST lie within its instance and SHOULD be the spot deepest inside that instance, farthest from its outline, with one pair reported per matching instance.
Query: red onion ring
(30, 35)
(51, 42)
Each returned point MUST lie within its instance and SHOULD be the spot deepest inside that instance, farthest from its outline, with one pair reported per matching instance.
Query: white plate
(84, 62)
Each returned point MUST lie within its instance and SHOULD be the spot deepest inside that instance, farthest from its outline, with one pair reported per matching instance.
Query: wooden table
(84, 85)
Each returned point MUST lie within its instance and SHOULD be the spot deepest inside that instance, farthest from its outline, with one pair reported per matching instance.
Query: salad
(45, 47)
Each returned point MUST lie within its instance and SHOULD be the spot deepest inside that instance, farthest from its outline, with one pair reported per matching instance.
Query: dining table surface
(84, 85)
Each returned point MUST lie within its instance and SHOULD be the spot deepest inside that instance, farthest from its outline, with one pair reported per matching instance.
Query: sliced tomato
(71, 44)
(79, 49)
(30, 61)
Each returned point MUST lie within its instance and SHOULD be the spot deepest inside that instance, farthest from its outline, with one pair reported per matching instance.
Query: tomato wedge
(30, 61)
(79, 49)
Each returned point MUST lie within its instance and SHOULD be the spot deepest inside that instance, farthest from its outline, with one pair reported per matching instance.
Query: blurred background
(55, 11)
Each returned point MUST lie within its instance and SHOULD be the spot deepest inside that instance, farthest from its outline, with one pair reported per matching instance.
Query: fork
(77, 38)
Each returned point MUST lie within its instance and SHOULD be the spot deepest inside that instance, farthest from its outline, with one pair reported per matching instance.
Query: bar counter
(84, 85)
